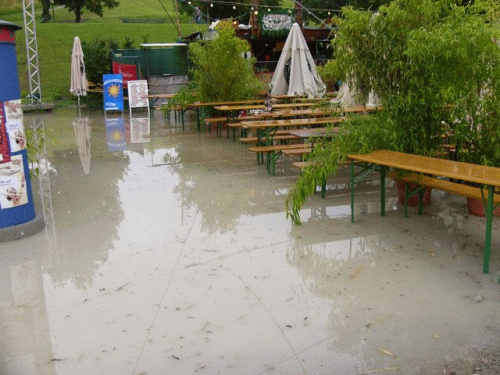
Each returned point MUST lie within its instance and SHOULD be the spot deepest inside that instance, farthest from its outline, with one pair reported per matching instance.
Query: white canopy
(296, 71)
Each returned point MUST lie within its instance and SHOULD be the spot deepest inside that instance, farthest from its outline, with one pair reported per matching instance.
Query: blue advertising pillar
(17, 209)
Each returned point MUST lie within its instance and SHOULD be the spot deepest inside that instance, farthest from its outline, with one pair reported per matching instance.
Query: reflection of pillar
(25, 346)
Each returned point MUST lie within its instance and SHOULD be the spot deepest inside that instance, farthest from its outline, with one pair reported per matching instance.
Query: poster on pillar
(4, 138)
(14, 125)
(13, 191)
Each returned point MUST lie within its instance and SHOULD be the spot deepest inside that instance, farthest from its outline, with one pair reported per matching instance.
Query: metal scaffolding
(32, 51)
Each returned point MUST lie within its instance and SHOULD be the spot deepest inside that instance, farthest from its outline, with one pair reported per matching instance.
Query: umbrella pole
(79, 108)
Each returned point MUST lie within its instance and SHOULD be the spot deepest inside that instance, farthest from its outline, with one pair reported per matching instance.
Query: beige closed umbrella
(79, 84)
(296, 72)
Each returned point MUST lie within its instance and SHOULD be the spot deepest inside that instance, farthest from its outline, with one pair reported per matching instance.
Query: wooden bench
(275, 138)
(436, 173)
(298, 151)
(218, 122)
(440, 184)
(274, 152)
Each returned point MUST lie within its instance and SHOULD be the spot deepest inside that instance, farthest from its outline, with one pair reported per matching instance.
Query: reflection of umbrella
(82, 136)
(296, 73)
(79, 84)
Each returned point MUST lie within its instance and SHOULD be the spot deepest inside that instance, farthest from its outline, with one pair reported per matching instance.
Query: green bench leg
(352, 191)
(383, 171)
(323, 188)
(406, 200)
(489, 224)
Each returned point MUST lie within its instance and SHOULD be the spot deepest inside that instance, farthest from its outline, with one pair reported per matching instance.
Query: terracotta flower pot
(413, 201)
(475, 207)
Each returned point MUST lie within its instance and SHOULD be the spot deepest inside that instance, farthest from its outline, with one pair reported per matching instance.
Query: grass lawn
(55, 39)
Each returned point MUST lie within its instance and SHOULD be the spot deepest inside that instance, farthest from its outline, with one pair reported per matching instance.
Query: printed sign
(128, 71)
(276, 24)
(137, 94)
(113, 92)
(115, 133)
(4, 139)
(139, 130)
(14, 125)
(13, 183)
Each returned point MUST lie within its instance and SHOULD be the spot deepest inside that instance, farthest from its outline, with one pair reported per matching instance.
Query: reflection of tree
(320, 262)
(328, 270)
(85, 206)
(220, 200)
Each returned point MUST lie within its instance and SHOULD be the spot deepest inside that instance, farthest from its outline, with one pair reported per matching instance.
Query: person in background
(197, 15)
(46, 10)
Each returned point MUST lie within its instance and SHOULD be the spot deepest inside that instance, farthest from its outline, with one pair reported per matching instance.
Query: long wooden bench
(275, 138)
(436, 173)
(218, 122)
(298, 151)
(443, 185)
(274, 152)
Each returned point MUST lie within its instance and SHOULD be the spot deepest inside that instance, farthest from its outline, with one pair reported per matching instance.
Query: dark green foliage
(97, 55)
(435, 65)
(219, 71)
(220, 10)
(94, 6)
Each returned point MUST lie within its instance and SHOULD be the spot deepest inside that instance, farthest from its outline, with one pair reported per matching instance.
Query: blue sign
(115, 133)
(113, 92)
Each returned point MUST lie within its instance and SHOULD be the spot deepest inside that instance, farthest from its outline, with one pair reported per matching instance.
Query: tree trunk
(45, 10)
(78, 14)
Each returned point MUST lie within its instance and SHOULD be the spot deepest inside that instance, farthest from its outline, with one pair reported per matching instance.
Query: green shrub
(219, 71)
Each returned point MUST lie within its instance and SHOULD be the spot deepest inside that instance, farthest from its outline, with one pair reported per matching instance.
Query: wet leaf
(386, 352)
(356, 274)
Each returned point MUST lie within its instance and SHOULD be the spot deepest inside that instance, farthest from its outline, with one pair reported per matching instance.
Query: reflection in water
(140, 130)
(82, 136)
(115, 133)
(25, 345)
(87, 205)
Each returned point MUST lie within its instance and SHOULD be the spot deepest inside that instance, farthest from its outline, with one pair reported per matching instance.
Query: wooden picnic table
(436, 169)
(284, 113)
(199, 107)
(247, 107)
(288, 123)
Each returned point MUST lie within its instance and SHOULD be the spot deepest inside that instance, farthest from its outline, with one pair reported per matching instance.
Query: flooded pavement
(167, 251)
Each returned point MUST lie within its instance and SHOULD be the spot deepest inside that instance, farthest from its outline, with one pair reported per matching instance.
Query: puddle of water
(167, 250)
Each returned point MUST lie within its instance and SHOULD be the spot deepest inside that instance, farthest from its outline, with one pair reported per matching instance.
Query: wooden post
(299, 15)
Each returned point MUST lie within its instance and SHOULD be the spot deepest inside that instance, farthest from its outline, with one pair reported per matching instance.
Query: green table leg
(489, 224)
(352, 191)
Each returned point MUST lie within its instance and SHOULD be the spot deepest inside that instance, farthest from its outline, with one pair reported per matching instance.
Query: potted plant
(434, 64)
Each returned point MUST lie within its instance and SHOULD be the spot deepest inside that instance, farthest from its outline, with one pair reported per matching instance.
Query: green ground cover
(55, 39)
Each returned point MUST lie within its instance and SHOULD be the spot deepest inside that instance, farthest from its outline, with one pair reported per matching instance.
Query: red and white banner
(4, 139)
(128, 71)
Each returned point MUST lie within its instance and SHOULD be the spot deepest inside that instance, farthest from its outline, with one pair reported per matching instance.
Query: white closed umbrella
(296, 72)
(79, 84)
